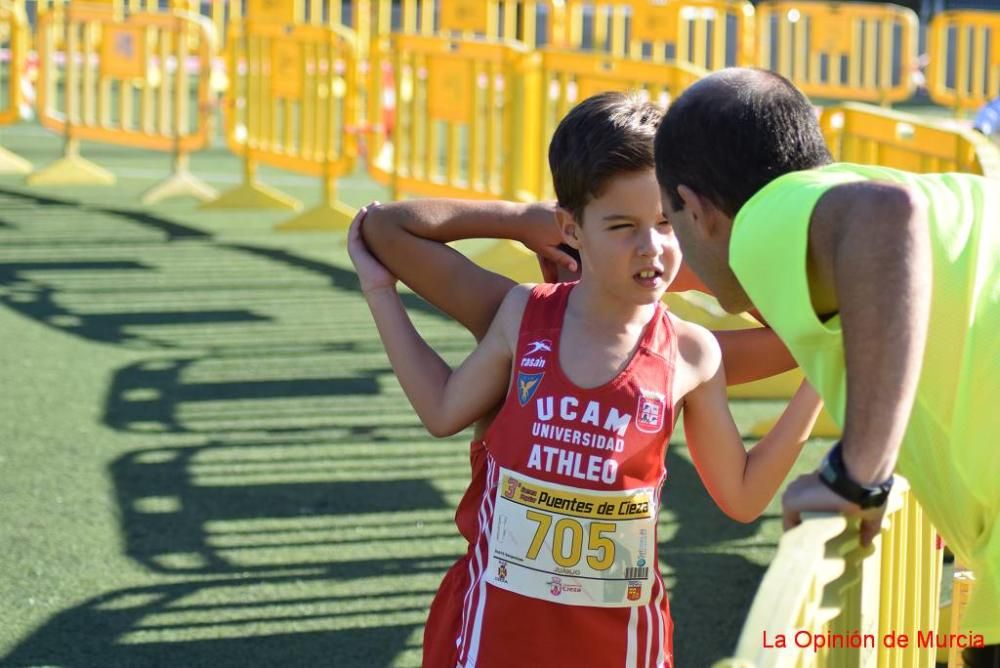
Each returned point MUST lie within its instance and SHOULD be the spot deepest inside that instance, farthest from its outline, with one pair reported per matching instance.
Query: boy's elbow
(741, 512)
(379, 227)
(743, 517)
(440, 428)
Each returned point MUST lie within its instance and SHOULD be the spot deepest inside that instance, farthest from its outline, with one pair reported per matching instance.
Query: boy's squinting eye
(664, 222)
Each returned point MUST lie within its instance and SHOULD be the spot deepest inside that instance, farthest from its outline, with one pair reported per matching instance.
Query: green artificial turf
(205, 459)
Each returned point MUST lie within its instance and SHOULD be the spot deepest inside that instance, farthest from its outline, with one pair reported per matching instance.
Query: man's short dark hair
(604, 136)
(734, 132)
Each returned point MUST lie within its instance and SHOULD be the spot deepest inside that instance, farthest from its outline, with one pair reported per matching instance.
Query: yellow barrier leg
(182, 183)
(72, 170)
(330, 216)
(11, 163)
(963, 581)
(253, 195)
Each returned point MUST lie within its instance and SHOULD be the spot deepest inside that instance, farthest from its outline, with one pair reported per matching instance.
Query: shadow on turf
(712, 590)
(245, 507)
(273, 621)
(153, 395)
(329, 612)
(26, 286)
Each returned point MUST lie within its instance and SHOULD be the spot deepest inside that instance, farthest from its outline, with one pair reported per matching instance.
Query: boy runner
(561, 511)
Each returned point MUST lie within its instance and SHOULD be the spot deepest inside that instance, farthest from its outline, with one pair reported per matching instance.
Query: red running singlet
(561, 514)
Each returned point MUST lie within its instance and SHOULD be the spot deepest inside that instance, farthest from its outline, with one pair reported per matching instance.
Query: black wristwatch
(833, 474)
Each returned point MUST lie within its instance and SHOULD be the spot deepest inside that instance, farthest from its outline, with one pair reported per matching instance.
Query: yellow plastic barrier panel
(461, 106)
(856, 51)
(141, 81)
(294, 97)
(871, 135)
(508, 20)
(964, 59)
(13, 42)
(825, 601)
(711, 34)
(567, 78)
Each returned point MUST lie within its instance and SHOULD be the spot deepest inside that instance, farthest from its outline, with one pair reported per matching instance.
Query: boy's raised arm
(409, 239)
(741, 482)
(446, 401)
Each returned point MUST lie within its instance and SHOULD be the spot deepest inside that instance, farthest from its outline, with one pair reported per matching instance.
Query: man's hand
(371, 274)
(807, 493)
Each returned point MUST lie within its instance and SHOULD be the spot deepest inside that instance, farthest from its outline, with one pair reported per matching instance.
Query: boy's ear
(569, 227)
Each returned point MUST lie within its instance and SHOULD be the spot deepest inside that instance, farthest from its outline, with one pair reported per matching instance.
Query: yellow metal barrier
(510, 20)
(870, 135)
(711, 34)
(856, 51)
(13, 43)
(460, 108)
(567, 78)
(294, 98)
(141, 82)
(964, 66)
(825, 601)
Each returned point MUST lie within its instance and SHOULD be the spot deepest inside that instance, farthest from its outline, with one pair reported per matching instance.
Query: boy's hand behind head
(371, 274)
(539, 231)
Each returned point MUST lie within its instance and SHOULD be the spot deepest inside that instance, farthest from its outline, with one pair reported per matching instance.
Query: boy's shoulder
(698, 352)
(508, 317)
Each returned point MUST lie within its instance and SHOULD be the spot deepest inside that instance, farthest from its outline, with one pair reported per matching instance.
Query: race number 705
(567, 541)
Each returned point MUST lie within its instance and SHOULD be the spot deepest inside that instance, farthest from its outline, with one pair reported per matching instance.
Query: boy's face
(626, 245)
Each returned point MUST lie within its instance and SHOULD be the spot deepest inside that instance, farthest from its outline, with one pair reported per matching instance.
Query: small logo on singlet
(527, 385)
(634, 592)
(538, 349)
(502, 572)
(649, 414)
(543, 346)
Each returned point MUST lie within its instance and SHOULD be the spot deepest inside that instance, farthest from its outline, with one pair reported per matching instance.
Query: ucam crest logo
(649, 414)
(527, 385)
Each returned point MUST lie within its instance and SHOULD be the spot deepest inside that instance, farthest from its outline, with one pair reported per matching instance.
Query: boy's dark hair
(602, 137)
(734, 132)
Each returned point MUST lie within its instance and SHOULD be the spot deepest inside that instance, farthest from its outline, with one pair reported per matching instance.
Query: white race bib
(573, 546)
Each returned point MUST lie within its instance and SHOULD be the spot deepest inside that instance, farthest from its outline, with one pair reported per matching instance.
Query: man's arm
(870, 260)
(409, 239)
(752, 354)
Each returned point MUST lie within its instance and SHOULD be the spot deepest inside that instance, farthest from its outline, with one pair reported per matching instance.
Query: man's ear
(569, 227)
(705, 216)
(695, 206)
